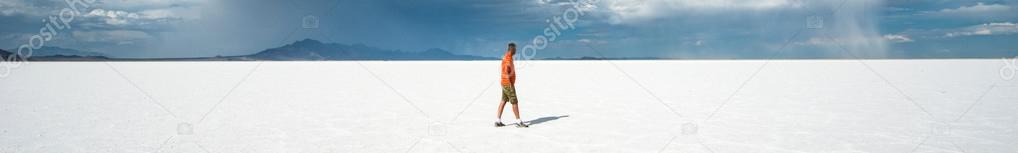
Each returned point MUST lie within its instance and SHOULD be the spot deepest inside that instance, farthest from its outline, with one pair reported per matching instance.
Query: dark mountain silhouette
(9, 56)
(304, 50)
(69, 58)
(55, 51)
(4, 55)
(309, 49)
(54, 54)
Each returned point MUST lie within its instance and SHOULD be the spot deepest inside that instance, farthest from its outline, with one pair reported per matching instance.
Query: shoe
(521, 125)
(499, 124)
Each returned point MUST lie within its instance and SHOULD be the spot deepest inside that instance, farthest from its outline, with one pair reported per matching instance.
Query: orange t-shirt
(508, 70)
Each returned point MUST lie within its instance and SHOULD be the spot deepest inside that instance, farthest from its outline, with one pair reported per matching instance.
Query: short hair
(511, 44)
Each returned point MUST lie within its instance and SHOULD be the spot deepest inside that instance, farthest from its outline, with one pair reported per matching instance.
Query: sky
(606, 28)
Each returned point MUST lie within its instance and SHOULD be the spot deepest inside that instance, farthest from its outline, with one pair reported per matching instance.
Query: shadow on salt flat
(544, 119)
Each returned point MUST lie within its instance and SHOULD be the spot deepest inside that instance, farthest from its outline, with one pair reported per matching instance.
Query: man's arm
(506, 70)
(510, 70)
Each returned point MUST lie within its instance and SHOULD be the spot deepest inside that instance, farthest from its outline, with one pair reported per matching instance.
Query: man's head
(512, 48)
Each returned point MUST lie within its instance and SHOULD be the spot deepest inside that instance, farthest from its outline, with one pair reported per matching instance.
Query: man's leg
(501, 106)
(514, 100)
(516, 111)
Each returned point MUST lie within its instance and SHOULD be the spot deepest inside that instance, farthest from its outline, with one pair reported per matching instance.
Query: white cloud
(985, 29)
(8, 7)
(155, 19)
(854, 27)
(1003, 28)
(159, 14)
(623, 11)
(149, 4)
(50, 7)
(897, 38)
(21, 7)
(111, 12)
(977, 10)
(821, 40)
(590, 41)
(584, 40)
(113, 17)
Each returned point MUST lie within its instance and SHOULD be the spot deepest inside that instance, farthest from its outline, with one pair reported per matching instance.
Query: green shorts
(509, 94)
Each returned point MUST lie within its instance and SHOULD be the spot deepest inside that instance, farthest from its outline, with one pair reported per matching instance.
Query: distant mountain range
(46, 53)
(308, 49)
(304, 50)
(4, 54)
(57, 51)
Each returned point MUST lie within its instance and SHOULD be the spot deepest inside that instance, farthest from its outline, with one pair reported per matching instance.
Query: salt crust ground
(448, 106)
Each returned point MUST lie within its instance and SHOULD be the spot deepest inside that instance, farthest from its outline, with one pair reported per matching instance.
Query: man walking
(509, 88)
